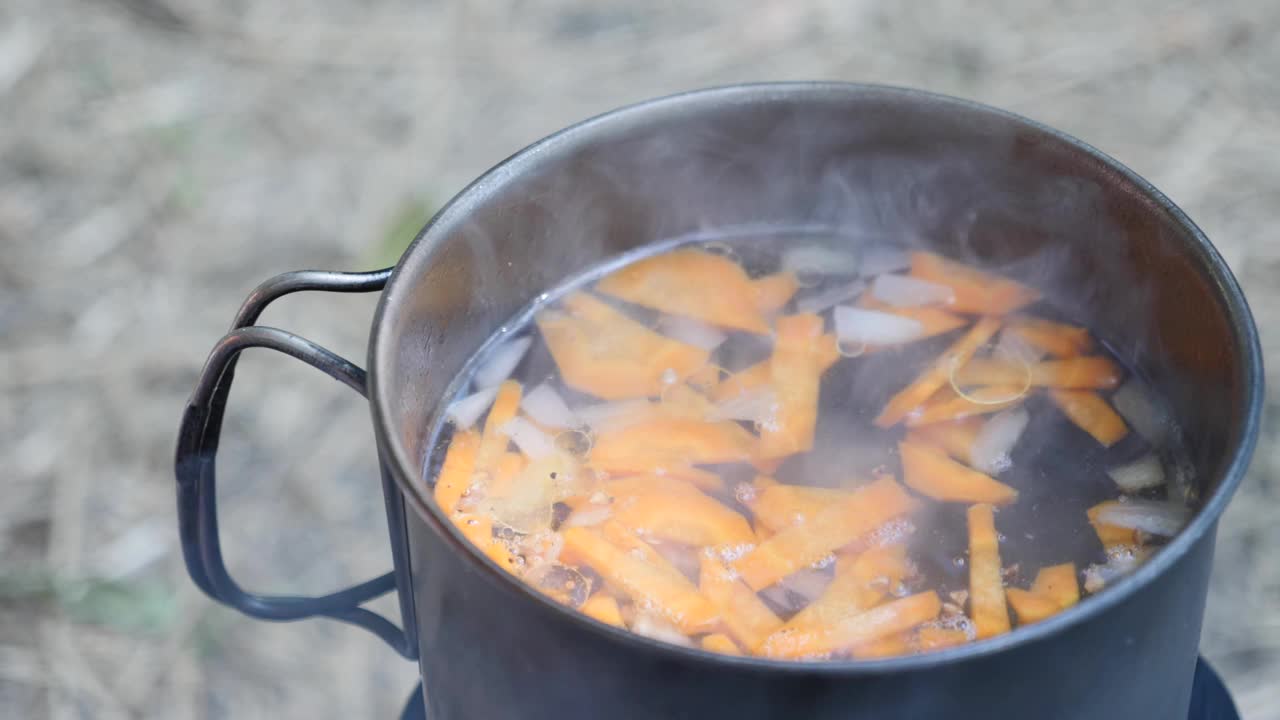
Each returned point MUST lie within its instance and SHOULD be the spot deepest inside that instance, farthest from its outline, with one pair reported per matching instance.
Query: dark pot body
(967, 180)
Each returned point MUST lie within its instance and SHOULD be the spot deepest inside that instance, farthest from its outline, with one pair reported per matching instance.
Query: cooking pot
(967, 180)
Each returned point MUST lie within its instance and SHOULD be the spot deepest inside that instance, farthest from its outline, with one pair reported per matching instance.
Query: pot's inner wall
(882, 164)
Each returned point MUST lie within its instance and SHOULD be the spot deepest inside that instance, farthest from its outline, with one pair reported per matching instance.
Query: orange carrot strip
(795, 374)
(986, 588)
(667, 443)
(601, 351)
(976, 291)
(838, 525)
(683, 402)
(778, 506)
(720, 643)
(1059, 583)
(504, 474)
(772, 292)
(888, 646)
(1111, 535)
(955, 438)
(745, 615)
(1077, 373)
(932, 637)
(742, 381)
(851, 631)
(456, 470)
(932, 473)
(1031, 607)
(644, 576)
(493, 443)
(859, 584)
(688, 517)
(478, 529)
(604, 608)
(711, 288)
(938, 374)
(947, 405)
(1051, 337)
(1094, 415)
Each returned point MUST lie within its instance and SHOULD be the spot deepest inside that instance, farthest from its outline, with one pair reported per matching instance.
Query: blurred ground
(160, 157)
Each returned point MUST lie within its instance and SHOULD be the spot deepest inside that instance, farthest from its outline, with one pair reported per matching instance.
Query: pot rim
(411, 484)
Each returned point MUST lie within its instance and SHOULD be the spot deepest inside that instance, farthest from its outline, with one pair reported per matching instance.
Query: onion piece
(465, 412)
(991, 449)
(589, 515)
(1154, 517)
(691, 332)
(1145, 472)
(819, 261)
(1121, 560)
(904, 291)
(830, 297)
(545, 406)
(531, 440)
(880, 259)
(502, 362)
(872, 327)
(1135, 405)
(616, 414)
(659, 628)
(757, 405)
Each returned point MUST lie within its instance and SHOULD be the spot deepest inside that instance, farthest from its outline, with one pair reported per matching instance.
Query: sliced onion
(757, 405)
(819, 261)
(616, 414)
(545, 405)
(465, 412)
(1145, 472)
(531, 440)
(880, 259)
(1154, 517)
(691, 332)
(830, 297)
(589, 516)
(904, 291)
(872, 327)
(808, 583)
(994, 444)
(1121, 560)
(1134, 403)
(658, 628)
(502, 362)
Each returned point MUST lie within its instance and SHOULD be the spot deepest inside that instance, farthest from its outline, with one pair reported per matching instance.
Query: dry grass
(159, 157)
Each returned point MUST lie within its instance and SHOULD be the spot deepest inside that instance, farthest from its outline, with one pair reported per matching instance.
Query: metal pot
(966, 179)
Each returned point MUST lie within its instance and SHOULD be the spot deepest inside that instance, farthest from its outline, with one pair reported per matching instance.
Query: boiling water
(1059, 470)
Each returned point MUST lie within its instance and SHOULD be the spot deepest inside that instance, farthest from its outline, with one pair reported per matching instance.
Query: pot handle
(198, 445)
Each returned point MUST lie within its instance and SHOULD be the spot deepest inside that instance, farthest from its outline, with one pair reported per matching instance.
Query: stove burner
(1210, 699)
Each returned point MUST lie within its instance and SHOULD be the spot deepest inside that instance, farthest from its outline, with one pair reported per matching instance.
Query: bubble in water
(825, 562)
(670, 376)
(744, 493)
(959, 561)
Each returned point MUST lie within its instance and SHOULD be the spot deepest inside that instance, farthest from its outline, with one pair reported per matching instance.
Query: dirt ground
(160, 157)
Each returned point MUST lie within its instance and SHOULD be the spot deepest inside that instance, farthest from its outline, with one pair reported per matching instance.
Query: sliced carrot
(1092, 414)
(779, 506)
(504, 474)
(742, 381)
(1077, 373)
(720, 643)
(1058, 582)
(947, 404)
(976, 291)
(986, 588)
(854, 630)
(457, 470)
(795, 374)
(773, 292)
(860, 582)
(711, 288)
(1051, 337)
(668, 443)
(1111, 535)
(745, 615)
(932, 637)
(932, 473)
(601, 351)
(687, 517)
(683, 402)
(955, 438)
(838, 525)
(604, 608)
(937, 374)
(888, 646)
(493, 443)
(1031, 607)
(828, 351)
(478, 528)
(644, 576)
